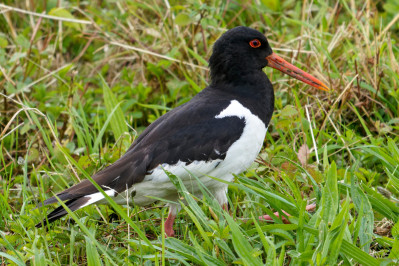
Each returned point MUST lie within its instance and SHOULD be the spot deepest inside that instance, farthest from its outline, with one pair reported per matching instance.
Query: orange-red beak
(278, 63)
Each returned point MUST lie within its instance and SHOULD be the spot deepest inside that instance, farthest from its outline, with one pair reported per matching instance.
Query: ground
(79, 80)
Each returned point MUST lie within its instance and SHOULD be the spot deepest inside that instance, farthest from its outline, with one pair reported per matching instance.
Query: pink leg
(310, 208)
(268, 218)
(169, 225)
(225, 207)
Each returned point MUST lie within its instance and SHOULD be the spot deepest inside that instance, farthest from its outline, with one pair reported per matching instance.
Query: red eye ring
(255, 43)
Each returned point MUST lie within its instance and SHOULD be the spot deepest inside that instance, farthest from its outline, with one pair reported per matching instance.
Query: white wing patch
(97, 197)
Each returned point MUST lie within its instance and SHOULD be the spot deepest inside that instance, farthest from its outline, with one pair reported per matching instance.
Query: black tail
(113, 180)
(79, 190)
(73, 205)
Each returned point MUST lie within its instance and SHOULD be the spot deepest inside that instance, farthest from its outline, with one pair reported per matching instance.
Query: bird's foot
(269, 218)
(309, 208)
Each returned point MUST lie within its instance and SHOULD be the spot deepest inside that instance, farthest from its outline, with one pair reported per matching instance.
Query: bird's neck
(245, 82)
(235, 75)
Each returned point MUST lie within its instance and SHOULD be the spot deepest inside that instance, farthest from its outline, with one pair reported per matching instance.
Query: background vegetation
(77, 86)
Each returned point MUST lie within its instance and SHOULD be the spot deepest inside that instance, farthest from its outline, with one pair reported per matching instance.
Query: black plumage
(215, 126)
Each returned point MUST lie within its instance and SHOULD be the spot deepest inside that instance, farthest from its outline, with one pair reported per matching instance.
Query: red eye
(255, 43)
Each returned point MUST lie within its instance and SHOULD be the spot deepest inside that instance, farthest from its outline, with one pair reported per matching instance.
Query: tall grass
(80, 81)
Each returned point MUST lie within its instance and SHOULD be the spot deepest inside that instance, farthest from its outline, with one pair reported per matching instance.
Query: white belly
(238, 158)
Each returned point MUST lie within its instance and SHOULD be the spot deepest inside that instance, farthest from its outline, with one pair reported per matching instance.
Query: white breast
(238, 158)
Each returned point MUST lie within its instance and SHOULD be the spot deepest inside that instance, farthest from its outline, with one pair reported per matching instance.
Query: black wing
(187, 133)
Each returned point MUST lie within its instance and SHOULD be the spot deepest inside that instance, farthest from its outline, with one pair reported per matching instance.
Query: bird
(218, 133)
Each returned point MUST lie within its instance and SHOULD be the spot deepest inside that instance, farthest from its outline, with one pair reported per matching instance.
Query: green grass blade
(11, 258)
(118, 124)
(351, 251)
(241, 244)
(93, 258)
(363, 206)
(329, 200)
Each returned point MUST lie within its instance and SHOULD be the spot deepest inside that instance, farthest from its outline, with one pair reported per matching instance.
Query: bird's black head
(238, 51)
(243, 52)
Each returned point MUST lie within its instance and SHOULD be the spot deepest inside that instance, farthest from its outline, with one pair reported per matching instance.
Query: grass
(79, 85)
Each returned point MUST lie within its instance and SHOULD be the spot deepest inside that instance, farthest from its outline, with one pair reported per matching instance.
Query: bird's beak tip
(323, 87)
(279, 63)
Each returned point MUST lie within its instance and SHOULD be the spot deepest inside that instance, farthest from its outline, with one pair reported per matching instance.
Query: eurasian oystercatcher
(218, 133)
